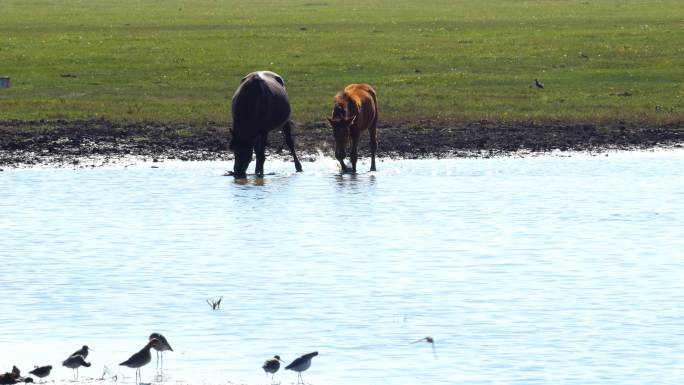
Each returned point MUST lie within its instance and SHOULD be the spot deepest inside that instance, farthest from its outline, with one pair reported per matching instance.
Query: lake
(525, 270)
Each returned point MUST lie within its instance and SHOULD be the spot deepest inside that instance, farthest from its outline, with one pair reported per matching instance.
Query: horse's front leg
(354, 150)
(260, 149)
(287, 133)
(340, 154)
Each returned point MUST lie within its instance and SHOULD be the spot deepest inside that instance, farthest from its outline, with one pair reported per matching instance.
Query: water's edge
(72, 142)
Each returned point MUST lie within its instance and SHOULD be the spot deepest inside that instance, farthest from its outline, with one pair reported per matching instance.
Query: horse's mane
(353, 95)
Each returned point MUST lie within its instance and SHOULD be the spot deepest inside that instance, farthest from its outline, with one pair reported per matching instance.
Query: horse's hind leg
(260, 149)
(287, 133)
(373, 133)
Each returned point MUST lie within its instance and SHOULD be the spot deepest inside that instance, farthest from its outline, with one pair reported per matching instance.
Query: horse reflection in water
(247, 182)
(260, 104)
(355, 184)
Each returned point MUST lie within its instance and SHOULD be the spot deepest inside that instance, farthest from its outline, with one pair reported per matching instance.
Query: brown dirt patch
(70, 142)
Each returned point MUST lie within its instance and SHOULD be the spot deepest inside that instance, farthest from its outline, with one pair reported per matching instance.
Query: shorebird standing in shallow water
(74, 362)
(141, 358)
(301, 364)
(41, 371)
(161, 345)
(271, 366)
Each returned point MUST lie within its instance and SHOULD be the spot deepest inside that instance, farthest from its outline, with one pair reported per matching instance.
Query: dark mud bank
(100, 142)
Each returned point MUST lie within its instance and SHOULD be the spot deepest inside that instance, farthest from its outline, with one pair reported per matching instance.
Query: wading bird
(161, 345)
(301, 364)
(141, 358)
(271, 366)
(41, 371)
(74, 362)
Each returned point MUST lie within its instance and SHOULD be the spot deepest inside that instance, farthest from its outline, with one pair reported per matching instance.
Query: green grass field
(445, 61)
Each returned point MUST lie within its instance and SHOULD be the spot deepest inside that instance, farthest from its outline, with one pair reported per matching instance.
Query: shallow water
(546, 270)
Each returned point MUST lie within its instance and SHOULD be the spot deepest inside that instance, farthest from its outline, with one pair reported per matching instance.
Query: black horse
(260, 104)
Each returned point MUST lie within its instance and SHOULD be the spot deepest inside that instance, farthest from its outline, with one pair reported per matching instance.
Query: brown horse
(356, 110)
(260, 105)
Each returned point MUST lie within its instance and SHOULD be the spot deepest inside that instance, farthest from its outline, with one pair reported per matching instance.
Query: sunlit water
(546, 270)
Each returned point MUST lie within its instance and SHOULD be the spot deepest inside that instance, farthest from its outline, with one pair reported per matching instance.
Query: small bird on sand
(83, 351)
(301, 364)
(538, 83)
(161, 345)
(11, 377)
(271, 366)
(74, 362)
(41, 371)
(141, 358)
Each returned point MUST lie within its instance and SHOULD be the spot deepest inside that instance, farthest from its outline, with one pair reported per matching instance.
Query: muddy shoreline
(98, 142)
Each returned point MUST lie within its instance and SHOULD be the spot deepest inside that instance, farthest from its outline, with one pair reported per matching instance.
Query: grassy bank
(179, 61)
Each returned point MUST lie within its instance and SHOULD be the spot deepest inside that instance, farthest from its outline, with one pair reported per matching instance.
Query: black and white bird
(301, 364)
(141, 358)
(160, 346)
(83, 351)
(41, 371)
(74, 362)
(538, 84)
(271, 366)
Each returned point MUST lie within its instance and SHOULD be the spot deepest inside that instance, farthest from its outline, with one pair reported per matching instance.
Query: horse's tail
(249, 108)
(371, 91)
(374, 123)
(249, 104)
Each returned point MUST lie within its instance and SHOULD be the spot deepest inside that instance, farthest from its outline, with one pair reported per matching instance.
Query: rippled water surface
(548, 270)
